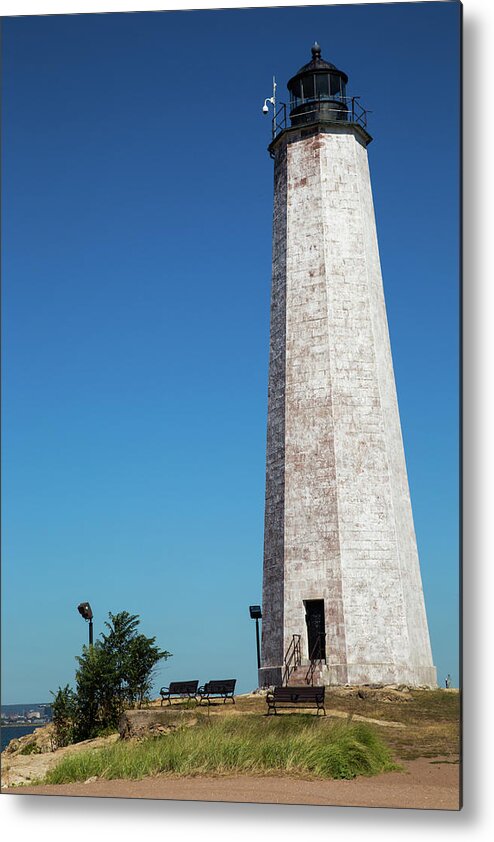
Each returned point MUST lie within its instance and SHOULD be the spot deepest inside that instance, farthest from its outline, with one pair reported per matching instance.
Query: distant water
(10, 732)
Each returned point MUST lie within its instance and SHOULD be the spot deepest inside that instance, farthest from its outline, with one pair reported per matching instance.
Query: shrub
(30, 748)
(114, 673)
(64, 714)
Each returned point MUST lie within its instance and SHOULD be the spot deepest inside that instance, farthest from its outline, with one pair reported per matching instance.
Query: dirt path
(424, 785)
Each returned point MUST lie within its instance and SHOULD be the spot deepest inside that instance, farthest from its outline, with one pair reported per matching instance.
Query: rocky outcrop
(391, 693)
(28, 759)
(155, 721)
(39, 741)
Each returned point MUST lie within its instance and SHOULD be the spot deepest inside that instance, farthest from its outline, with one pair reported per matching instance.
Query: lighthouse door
(316, 636)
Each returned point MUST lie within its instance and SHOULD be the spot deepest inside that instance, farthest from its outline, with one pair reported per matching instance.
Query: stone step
(298, 676)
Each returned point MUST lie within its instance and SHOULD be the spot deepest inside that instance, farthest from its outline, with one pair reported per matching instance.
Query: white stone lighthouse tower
(342, 592)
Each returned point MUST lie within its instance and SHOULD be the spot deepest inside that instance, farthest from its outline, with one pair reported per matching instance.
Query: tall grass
(297, 745)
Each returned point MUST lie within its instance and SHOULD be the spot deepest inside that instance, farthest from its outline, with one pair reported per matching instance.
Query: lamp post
(86, 613)
(256, 614)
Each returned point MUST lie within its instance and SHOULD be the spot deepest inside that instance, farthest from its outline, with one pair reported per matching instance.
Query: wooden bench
(302, 697)
(179, 688)
(222, 689)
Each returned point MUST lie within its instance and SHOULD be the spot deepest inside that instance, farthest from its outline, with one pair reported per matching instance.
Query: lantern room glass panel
(308, 87)
(338, 87)
(322, 85)
(296, 94)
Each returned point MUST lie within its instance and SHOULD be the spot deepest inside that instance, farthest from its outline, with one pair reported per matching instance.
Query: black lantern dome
(318, 92)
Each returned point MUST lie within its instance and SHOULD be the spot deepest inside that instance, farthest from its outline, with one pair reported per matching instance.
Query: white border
(74, 820)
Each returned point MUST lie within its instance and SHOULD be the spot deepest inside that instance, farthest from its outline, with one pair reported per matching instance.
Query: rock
(13, 746)
(156, 721)
(389, 693)
(41, 739)
(18, 768)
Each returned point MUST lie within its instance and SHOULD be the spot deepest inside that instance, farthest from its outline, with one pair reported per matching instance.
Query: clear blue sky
(137, 207)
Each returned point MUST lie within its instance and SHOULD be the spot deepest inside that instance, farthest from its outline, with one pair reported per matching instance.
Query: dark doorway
(316, 631)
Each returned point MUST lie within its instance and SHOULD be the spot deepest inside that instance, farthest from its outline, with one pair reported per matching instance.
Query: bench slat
(281, 693)
(183, 686)
(179, 688)
(220, 686)
(296, 697)
(223, 688)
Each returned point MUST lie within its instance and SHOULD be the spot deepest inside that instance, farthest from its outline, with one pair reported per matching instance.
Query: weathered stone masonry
(273, 590)
(338, 518)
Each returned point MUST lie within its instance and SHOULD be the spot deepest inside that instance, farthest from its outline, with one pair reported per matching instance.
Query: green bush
(114, 673)
(64, 714)
(31, 748)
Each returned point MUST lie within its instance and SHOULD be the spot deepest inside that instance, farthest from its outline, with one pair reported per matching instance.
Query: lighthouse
(342, 592)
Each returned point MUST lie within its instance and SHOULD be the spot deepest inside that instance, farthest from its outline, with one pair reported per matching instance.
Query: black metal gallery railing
(279, 120)
(354, 113)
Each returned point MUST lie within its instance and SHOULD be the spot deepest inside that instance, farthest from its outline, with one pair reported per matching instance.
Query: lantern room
(318, 92)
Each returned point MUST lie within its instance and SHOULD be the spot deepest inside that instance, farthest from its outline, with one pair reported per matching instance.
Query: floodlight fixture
(256, 614)
(86, 613)
(85, 610)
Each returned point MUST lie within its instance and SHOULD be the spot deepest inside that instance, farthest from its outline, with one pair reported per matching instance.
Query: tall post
(256, 614)
(258, 644)
(274, 107)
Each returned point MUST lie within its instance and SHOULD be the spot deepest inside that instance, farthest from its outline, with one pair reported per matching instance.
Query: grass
(297, 745)
(431, 719)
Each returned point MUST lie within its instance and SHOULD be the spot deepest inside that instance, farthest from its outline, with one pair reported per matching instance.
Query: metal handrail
(292, 658)
(356, 114)
(309, 676)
